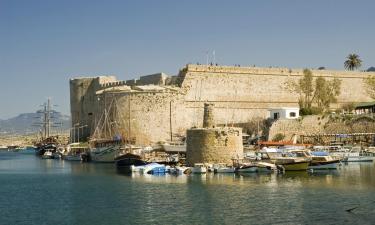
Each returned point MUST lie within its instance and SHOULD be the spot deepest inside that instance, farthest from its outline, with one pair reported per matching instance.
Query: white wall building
(284, 113)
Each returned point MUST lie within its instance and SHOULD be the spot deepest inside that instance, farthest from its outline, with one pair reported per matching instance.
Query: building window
(292, 114)
(275, 116)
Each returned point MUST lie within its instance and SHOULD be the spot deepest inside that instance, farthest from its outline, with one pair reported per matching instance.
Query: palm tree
(353, 62)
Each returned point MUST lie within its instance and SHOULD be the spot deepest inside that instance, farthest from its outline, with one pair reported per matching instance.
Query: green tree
(322, 92)
(305, 86)
(352, 62)
(326, 92)
(370, 86)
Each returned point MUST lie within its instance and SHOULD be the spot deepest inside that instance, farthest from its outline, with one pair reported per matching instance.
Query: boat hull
(295, 166)
(224, 170)
(72, 157)
(104, 154)
(174, 148)
(248, 169)
(359, 159)
(198, 170)
(331, 165)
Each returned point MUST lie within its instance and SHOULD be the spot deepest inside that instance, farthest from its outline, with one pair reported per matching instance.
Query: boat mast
(129, 120)
(170, 119)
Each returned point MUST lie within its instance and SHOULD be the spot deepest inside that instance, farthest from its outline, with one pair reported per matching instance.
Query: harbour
(70, 192)
(187, 112)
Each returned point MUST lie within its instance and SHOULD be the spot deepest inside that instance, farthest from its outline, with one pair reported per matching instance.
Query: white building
(284, 113)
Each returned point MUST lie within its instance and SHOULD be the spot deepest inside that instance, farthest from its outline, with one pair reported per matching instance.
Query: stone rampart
(239, 94)
(213, 145)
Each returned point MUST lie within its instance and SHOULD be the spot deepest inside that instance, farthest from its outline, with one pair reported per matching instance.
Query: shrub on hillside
(310, 111)
(278, 137)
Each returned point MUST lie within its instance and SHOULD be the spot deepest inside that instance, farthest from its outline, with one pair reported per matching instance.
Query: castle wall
(246, 92)
(84, 102)
(146, 116)
(239, 94)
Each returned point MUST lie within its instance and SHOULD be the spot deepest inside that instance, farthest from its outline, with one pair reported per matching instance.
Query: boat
(294, 160)
(179, 170)
(3, 148)
(104, 151)
(154, 168)
(266, 167)
(358, 157)
(199, 168)
(75, 152)
(137, 168)
(354, 154)
(127, 160)
(322, 160)
(247, 168)
(28, 150)
(223, 168)
(56, 155)
(48, 154)
(175, 147)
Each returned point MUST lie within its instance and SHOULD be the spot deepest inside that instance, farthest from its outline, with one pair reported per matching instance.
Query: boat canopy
(319, 153)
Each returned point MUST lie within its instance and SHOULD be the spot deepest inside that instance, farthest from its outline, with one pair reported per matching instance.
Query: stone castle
(159, 107)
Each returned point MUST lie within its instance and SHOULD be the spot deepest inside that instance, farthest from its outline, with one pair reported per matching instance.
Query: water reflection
(90, 193)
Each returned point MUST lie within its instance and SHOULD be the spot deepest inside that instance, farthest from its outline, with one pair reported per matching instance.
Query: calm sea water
(36, 191)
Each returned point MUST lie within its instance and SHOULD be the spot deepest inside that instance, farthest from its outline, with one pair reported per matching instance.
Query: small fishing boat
(179, 170)
(174, 147)
(266, 167)
(199, 168)
(250, 168)
(294, 160)
(358, 157)
(222, 168)
(74, 151)
(322, 160)
(138, 169)
(104, 150)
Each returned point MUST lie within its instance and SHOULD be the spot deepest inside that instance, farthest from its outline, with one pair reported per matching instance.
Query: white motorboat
(358, 157)
(354, 154)
(178, 170)
(251, 168)
(47, 155)
(266, 167)
(139, 169)
(74, 151)
(223, 168)
(105, 151)
(175, 147)
(322, 160)
(199, 168)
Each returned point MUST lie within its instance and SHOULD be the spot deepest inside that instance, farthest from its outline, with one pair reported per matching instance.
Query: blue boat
(154, 168)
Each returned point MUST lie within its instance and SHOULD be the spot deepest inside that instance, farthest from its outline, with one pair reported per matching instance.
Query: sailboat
(47, 142)
(105, 144)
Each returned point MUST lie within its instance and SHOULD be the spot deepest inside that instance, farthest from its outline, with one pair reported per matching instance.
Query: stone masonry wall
(239, 94)
(213, 145)
(307, 125)
(247, 92)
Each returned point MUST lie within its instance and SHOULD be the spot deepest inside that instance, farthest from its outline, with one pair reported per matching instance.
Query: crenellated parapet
(112, 84)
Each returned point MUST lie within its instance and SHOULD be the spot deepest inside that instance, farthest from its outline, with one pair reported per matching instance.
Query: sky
(45, 43)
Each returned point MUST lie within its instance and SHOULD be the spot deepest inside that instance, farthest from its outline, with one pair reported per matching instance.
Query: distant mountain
(26, 123)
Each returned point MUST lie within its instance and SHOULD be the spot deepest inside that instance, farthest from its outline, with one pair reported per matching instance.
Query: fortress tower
(212, 144)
